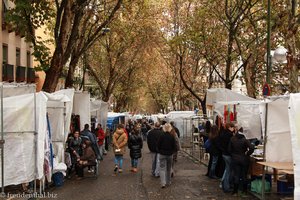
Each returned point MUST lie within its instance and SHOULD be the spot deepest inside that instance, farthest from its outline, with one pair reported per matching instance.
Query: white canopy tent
(59, 108)
(278, 130)
(224, 95)
(100, 110)
(247, 109)
(81, 107)
(248, 116)
(294, 117)
(23, 116)
(178, 117)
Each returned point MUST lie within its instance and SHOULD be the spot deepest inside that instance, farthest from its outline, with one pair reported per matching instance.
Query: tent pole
(2, 144)
(35, 139)
(264, 154)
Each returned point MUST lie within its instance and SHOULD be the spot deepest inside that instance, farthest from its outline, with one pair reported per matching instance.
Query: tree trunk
(70, 77)
(249, 70)
(54, 72)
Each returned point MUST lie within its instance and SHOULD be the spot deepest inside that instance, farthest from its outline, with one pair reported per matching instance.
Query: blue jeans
(119, 161)
(134, 162)
(226, 175)
(212, 172)
(155, 164)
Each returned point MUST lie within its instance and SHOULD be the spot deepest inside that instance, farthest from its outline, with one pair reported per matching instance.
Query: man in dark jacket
(166, 146)
(152, 139)
(88, 158)
(86, 134)
(224, 143)
(240, 149)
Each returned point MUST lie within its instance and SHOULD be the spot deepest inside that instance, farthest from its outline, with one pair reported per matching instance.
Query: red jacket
(100, 136)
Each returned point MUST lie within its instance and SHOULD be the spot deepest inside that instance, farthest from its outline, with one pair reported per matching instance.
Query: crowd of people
(225, 144)
(88, 147)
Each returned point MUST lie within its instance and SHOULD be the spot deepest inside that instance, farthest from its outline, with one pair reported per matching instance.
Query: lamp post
(269, 67)
(269, 62)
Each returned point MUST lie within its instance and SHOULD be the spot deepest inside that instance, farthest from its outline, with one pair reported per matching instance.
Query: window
(18, 57)
(5, 54)
(28, 56)
(3, 12)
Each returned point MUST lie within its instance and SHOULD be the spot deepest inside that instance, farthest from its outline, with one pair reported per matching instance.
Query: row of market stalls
(34, 129)
(275, 120)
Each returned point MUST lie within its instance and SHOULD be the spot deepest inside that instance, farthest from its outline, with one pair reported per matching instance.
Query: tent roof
(180, 114)
(225, 95)
(113, 114)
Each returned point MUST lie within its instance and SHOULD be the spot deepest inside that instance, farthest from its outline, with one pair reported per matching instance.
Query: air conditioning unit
(21, 72)
(30, 75)
(8, 73)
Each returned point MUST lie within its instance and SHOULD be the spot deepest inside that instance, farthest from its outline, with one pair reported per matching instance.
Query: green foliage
(26, 17)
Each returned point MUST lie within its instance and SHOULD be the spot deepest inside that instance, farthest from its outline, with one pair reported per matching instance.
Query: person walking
(175, 128)
(174, 134)
(135, 144)
(166, 146)
(119, 143)
(152, 139)
(240, 150)
(224, 143)
(101, 136)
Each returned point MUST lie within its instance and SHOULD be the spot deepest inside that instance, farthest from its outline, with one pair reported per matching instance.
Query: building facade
(16, 53)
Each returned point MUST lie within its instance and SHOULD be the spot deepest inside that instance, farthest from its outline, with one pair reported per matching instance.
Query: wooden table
(287, 171)
(287, 166)
(278, 165)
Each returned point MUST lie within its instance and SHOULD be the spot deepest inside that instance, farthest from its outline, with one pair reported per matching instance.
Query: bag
(118, 152)
(256, 186)
(207, 144)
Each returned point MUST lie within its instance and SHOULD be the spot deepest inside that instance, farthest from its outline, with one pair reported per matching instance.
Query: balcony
(7, 73)
(21, 74)
(30, 75)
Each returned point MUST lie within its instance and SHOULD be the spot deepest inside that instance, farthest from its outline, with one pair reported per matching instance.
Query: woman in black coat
(135, 144)
(240, 149)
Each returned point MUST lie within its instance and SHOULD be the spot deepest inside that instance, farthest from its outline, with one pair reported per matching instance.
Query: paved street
(189, 183)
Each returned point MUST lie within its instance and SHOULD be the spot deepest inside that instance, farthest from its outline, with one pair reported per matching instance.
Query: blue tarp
(114, 119)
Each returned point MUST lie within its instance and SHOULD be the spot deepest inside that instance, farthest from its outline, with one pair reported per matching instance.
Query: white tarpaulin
(17, 89)
(248, 116)
(59, 109)
(222, 94)
(100, 110)
(278, 132)
(21, 154)
(81, 107)
(294, 116)
(179, 119)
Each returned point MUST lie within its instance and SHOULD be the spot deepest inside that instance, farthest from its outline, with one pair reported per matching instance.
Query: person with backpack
(135, 144)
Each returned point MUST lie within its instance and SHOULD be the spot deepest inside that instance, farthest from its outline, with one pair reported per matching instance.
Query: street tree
(76, 25)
